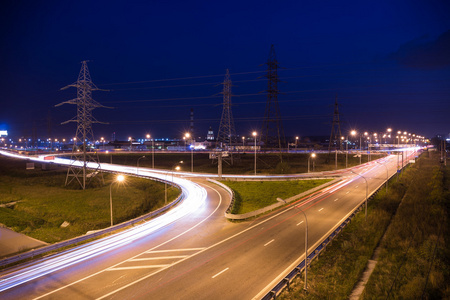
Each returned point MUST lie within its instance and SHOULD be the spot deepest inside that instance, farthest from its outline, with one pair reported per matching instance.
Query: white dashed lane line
(220, 273)
(320, 209)
(300, 223)
(268, 243)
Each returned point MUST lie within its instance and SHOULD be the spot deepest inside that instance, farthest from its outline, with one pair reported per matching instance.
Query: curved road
(201, 254)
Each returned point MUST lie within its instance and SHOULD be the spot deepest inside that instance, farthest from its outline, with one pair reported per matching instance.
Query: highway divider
(263, 210)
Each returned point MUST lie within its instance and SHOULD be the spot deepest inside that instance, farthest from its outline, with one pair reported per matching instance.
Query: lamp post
(296, 140)
(367, 191)
(165, 183)
(306, 248)
(137, 166)
(243, 143)
(313, 155)
(119, 179)
(188, 135)
(353, 133)
(387, 175)
(254, 133)
(131, 143)
(153, 151)
(103, 142)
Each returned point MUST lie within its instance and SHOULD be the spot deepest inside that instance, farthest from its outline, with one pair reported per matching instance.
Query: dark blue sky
(387, 61)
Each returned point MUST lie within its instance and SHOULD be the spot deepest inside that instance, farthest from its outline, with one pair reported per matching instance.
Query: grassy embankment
(415, 243)
(43, 203)
(242, 163)
(253, 195)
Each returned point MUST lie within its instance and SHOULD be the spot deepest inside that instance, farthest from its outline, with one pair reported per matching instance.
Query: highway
(197, 253)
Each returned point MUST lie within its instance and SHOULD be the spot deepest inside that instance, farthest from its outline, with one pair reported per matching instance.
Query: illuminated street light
(243, 141)
(119, 179)
(188, 135)
(254, 133)
(313, 155)
(296, 139)
(367, 190)
(131, 143)
(153, 151)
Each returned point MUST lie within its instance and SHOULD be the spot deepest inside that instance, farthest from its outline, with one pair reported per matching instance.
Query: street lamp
(313, 155)
(254, 133)
(243, 143)
(306, 248)
(131, 143)
(137, 167)
(188, 135)
(296, 139)
(119, 179)
(153, 151)
(353, 133)
(367, 190)
(387, 175)
(165, 182)
(103, 142)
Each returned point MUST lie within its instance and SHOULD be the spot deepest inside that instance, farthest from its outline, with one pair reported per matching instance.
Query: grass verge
(253, 195)
(43, 203)
(338, 269)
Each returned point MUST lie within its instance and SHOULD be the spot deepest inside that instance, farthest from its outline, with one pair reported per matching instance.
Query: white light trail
(194, 198)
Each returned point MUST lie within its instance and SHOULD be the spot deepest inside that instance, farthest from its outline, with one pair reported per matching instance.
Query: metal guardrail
(35, 252)
(278, 288)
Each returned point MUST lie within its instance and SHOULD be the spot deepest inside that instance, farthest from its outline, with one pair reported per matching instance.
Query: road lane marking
(156, 258)
(174, 250)
(268, 243)
(137, 267)
(224, 270)
(336, 199)
(300, 223)
(320, 209)
(347, 192)
(356, 186)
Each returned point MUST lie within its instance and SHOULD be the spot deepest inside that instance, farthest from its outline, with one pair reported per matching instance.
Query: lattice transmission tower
(272, 133)
(85, 164)
(226, 135)
(335, 140)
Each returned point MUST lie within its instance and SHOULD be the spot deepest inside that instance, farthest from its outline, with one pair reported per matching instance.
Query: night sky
(388, 63)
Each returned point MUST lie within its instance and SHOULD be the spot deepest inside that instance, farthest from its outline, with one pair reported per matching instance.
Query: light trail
(194, 197)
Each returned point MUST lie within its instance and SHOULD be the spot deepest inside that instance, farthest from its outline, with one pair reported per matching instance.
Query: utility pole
(272, 132)
(82, 153)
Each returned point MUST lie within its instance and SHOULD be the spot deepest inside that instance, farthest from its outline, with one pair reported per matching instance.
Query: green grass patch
(43, 203)
(253, 195)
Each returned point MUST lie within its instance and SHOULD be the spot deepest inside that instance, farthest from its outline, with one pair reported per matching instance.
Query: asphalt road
(202, 255)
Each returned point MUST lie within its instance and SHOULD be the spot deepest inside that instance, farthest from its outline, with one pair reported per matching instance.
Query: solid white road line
(174, 250)
(137, 267)
(156, 258)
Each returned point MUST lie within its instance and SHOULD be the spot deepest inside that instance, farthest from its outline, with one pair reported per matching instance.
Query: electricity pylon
(335, 128)
(272, 132)
(82, 153)
(226, 135)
